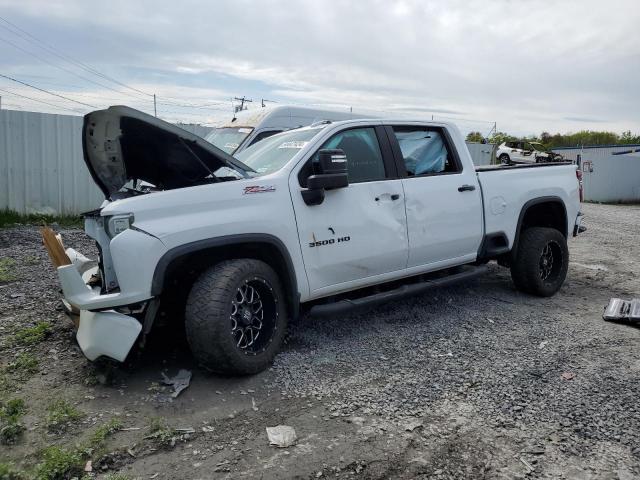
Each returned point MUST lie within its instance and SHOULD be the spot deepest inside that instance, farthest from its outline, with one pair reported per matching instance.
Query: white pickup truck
(323, 218)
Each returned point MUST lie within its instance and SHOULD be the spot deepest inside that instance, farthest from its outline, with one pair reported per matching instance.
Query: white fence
(41, 164)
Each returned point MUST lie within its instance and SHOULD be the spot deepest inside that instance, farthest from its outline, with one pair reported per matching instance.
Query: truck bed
(506, 189)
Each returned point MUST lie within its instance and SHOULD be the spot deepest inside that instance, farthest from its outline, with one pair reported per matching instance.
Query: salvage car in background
(523, 151)
(322, 218)
(250, 126)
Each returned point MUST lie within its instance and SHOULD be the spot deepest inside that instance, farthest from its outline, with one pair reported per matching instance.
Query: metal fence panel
(481, 153)
(41, 165)
(612, 178)
(571, 153)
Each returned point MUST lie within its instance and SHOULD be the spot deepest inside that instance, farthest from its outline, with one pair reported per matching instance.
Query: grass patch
(99, 437)
(6, 385)
(8, 218)
(24, 364)
(6, 270)
(31, 260)
(62, 463)
(8, 472)
(61, 415)
(59, 463)
(10, 427)
(31, 335)
(163, 434)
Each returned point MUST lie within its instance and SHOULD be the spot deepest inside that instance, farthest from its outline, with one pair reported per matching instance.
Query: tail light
(579, 177)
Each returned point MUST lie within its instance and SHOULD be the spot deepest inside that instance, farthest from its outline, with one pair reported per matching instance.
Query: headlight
(118, 224)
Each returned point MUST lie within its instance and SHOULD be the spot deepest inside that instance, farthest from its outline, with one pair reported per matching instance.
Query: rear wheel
(542, 261)
(235, 317)
(504, 159)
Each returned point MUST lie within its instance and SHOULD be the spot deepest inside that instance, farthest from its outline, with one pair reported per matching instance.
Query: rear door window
(425, 151)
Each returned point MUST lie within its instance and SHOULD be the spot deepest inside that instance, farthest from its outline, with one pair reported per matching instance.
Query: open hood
(123, 145)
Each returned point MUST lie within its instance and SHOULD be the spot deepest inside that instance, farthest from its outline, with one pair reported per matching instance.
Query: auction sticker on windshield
(296, 144)
(231, 145)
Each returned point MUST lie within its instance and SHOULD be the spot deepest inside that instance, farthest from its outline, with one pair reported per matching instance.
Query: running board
(346, 305)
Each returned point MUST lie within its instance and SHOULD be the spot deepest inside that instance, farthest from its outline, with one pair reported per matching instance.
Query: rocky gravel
(472, 381)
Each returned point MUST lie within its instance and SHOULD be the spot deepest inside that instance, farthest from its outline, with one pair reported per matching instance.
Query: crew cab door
(358, 231)
(442, 197)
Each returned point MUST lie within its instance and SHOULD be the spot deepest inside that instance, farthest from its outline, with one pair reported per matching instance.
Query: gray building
(610, 173)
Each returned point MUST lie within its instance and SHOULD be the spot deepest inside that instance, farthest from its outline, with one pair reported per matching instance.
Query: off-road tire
(504, 159)
(532, 271)
(208, 321)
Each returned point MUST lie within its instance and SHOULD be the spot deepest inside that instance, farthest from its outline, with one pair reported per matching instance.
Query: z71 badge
(259, 189)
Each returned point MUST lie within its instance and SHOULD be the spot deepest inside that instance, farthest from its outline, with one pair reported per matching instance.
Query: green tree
(475, 137)
(500, 137)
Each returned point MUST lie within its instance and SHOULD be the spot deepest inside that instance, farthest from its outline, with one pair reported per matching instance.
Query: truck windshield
(271, 154)
(228, 138)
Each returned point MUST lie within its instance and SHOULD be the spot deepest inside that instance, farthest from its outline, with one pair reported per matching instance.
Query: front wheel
(235, 317)
(504, 159)
(542, 261)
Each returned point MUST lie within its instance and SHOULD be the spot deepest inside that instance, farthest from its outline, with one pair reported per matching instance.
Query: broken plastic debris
(81, 262)
(186, 430)
(281, 436)
(179, 382)
(622, 310)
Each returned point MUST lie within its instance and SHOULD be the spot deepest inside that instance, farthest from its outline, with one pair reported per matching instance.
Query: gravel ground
(472, 381)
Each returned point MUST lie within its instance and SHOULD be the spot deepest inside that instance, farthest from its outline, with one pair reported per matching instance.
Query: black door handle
(393, 196)
(466, 188)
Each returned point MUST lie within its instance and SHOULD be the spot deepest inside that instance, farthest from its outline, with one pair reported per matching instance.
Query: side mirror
(329, 172)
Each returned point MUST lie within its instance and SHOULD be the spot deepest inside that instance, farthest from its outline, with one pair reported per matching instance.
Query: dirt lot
(473, 381)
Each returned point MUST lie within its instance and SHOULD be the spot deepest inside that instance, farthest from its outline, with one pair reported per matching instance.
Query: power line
(69, 59)
(37, 100)
(47, 91)
(66, 69)
(138, 98)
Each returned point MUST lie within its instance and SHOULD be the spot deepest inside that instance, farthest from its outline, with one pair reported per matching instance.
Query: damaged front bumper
(102, 333)
(109, 334)
(109, 323)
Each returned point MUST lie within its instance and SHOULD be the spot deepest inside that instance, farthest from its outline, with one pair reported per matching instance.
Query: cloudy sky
(529, 65)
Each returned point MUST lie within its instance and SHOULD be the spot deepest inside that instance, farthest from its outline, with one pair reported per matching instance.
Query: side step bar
(347, 305)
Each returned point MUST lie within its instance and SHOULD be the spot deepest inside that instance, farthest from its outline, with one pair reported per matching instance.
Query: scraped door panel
(357, 232)
(445, 224)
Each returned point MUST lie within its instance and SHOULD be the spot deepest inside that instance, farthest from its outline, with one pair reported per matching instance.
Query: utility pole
(265, 100)
(155, 110)
(242, 102)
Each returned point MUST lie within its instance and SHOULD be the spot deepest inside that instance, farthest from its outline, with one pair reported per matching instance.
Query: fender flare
(290, 286)
(523, 211)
